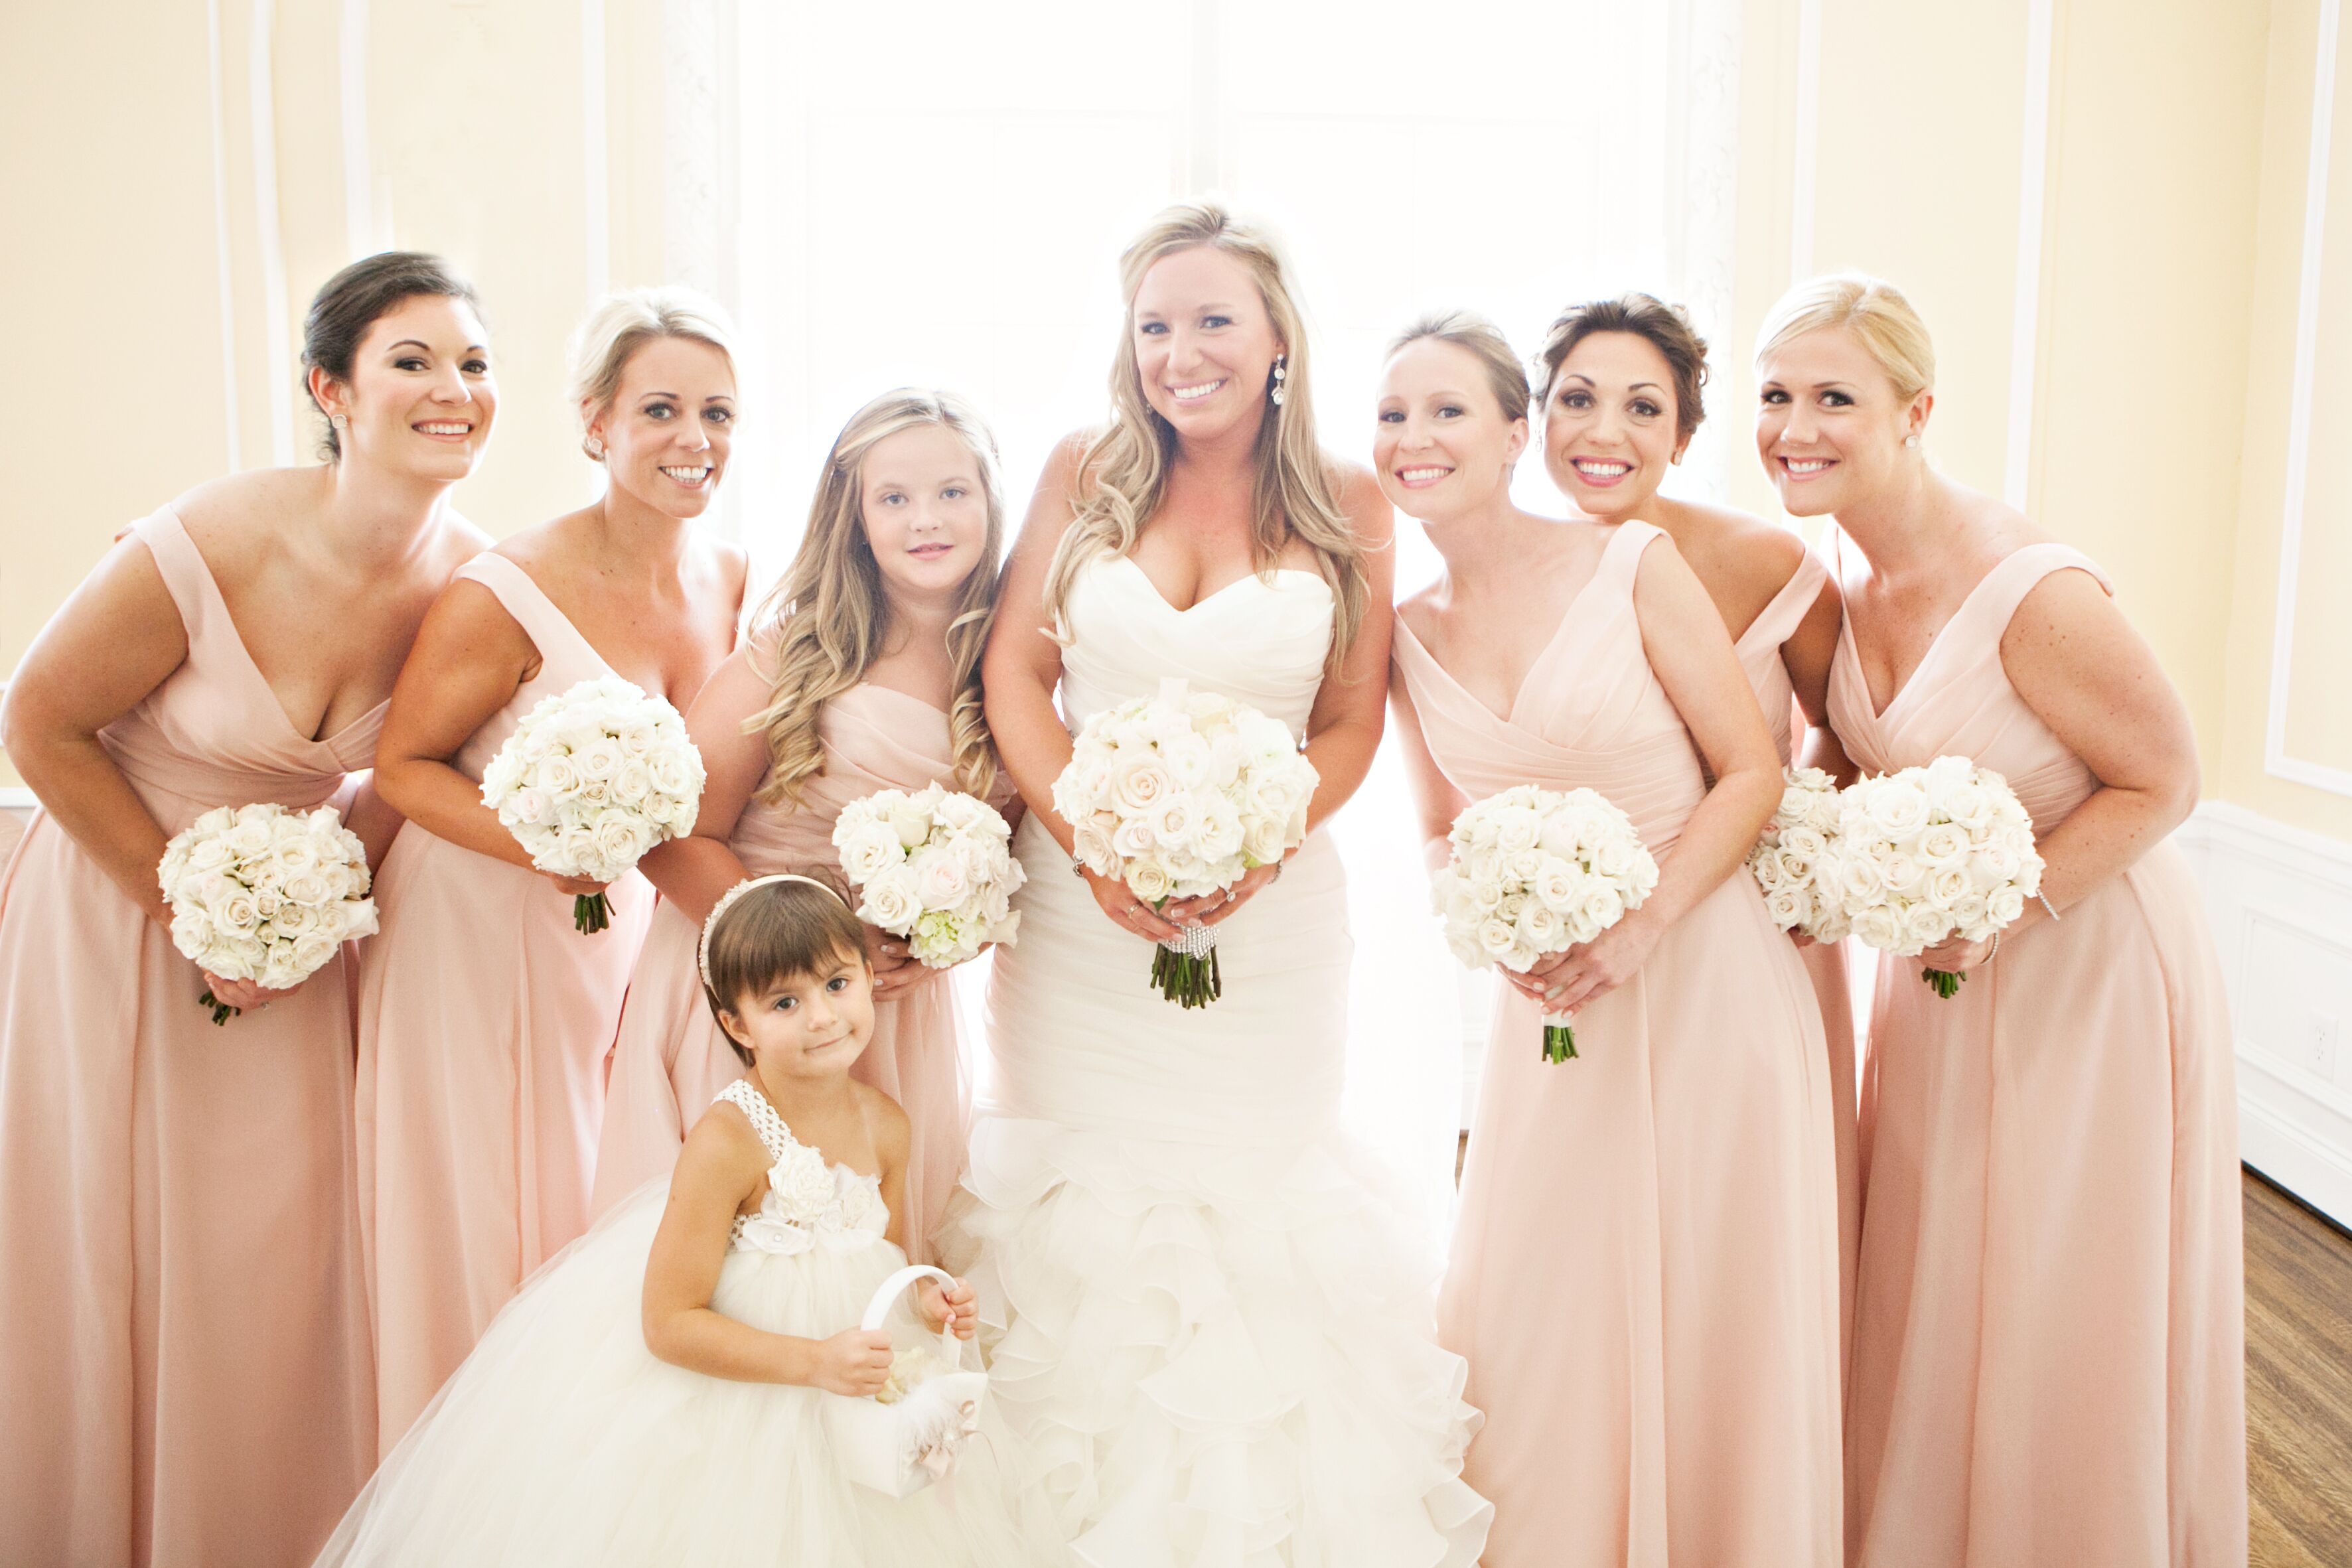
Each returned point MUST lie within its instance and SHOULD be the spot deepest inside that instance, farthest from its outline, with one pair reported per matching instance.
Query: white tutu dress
(562, 1439)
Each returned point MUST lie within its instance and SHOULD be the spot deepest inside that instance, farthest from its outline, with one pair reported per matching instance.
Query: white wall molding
(2280, 902)
(2025, 323)
(2276, 759)
(359, 174)
(1806, 145)
(229, 408)
(597, 153)
(16, 799)
(261, 108)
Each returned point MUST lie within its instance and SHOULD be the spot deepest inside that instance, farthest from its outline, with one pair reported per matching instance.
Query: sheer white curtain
(937, 193)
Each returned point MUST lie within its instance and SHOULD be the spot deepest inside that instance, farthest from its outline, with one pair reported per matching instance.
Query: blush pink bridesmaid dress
(2049, 1325)
(184, 1355)
(1758, 648)
(1644, 1269)
(484, 1022)
(670, 1059)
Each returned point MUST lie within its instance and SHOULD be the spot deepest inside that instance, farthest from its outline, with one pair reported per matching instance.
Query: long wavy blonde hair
(827, 619)
(1123, 472)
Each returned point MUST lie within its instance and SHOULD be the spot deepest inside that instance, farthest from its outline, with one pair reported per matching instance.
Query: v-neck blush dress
(484, 1020)
(671, 1059)
(183, 1353)
(2049, 1366)
(1758, 648)
(1644, 1268)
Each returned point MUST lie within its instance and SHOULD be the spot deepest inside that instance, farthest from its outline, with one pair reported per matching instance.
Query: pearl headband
(727, 901)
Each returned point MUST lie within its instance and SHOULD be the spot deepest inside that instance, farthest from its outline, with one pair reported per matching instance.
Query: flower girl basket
(899, 1450)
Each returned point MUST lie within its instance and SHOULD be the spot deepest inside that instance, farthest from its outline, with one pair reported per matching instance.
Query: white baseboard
(2280, 900)
(16, 800)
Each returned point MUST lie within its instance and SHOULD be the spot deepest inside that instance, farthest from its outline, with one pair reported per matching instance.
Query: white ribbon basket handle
(887, 1294)
(899, 1450)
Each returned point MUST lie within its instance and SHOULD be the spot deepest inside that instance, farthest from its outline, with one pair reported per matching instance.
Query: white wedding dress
(1212, 1332)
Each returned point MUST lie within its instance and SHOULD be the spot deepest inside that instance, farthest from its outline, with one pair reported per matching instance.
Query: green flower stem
(222, 1011)
(590, 913)
(1560, 1042)
(1947, 985)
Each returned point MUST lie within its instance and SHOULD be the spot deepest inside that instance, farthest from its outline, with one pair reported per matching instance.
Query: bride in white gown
(1206, 1323)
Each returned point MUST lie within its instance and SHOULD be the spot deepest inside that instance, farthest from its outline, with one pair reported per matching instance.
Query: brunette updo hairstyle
(352, 301)
(1665, 327)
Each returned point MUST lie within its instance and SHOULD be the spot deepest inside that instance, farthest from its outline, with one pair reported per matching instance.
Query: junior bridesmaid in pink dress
(183, 1351)
(485, 1018)
(2048, 1352)
(862, 672)
(1776, 599)
(1645, 1270)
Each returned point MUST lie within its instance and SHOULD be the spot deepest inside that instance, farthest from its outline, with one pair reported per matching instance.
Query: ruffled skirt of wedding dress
(562, 1441)
(1207, 1322)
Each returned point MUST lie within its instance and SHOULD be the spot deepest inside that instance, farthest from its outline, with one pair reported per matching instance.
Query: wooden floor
(2298, 1383)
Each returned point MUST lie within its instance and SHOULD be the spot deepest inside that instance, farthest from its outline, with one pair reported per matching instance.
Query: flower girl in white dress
(655, 1393)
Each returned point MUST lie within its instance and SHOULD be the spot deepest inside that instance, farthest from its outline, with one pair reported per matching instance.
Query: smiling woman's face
(1204, 343)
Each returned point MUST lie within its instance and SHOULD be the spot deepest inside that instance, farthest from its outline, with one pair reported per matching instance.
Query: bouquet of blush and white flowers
(1536, 871)
(1930, 853)
(1793, 854)
(591, 779)
(264, 893)
(934, 866)
(1180, 796)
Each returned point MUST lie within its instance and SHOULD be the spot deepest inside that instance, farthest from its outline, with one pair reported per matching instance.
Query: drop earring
(1281, 372)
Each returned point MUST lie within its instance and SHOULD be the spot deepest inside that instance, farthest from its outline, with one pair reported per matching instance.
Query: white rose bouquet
(264, 893)
(1929, 854)
(1793, 854)
(1180, 796)
(934, 866)
(1534, 872)
(591, 779)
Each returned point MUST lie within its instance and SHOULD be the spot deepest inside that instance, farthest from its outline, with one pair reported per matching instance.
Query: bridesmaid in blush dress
(2048, 1352)
(1645, 1270)
(183, 1351)
(862, 674)
(485, 1018)
(1776, 599)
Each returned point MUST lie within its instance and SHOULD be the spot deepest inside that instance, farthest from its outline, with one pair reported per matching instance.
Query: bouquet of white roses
(934, 866)
(591, 779)
(1180, 796)
(1534, 872)
(264, 893)
(1792, 856)
(1929, 854)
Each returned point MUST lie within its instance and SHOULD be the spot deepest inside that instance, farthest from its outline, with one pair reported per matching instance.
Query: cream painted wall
(2320, 727)
(2161, 346)
(1918, 176)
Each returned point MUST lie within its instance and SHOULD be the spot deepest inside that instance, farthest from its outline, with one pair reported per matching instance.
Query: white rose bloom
(1789, 908)
(2004, 905)
(1497, 937)
(1880, 927)
(940, 878)
(1894, 806)
(1150, 880)
(891, 901)
(1924, 925)
(1603, 907)
(1265, 841)
(618, 842)
(867, 852)
(1091, 848)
